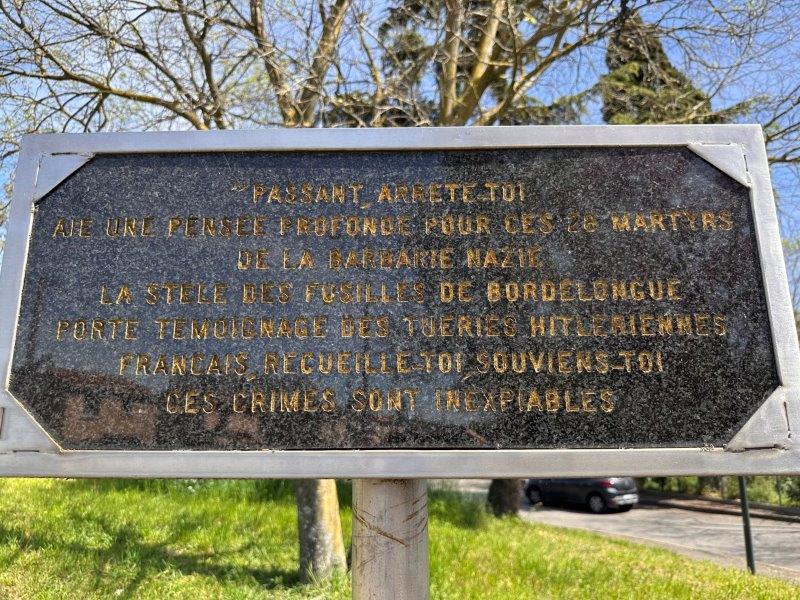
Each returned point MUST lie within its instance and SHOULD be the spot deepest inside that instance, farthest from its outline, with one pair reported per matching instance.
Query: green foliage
(768, 489)
(566, 110)
(238, 539)
(789, 488)
(642, 85)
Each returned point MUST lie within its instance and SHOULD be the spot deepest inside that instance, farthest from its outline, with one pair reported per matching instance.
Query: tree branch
(216, 110)
(312, 87)
(448, 78)
(483, 73)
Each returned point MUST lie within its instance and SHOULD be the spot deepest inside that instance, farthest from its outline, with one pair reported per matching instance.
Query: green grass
(226, 539)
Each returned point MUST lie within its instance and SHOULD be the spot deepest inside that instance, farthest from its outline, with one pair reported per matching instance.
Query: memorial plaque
(445, 296)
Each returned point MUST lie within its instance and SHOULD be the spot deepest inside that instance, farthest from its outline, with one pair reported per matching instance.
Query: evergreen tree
(643, 86)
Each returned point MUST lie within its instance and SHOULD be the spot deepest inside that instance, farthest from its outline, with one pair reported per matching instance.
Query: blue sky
(770, 68)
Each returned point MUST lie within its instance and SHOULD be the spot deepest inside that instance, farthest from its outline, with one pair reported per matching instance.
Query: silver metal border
(764, 445)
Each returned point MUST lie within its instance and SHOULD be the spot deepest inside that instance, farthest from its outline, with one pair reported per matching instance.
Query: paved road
(700, 535)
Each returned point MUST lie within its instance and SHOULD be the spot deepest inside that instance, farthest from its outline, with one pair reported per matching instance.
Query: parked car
(599, 495)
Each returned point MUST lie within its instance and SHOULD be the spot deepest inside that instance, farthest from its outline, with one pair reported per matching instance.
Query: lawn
(228, 539)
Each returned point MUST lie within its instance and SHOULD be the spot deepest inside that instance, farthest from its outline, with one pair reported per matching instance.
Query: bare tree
(160, 64)
(90, 65)
(152, 65)
(144, 64)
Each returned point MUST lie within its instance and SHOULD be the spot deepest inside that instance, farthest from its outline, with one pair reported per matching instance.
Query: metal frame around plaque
(765, 444)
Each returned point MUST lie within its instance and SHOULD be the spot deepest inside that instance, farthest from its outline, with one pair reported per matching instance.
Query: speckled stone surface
(691, 387)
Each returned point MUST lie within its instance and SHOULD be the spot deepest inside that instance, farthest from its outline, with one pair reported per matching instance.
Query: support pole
(748, 534)
(390, 539)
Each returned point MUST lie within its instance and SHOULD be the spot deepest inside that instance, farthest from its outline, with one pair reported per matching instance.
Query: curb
(709, 506)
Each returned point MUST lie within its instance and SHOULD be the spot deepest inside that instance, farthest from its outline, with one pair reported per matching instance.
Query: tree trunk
(704, 484)
(320, 529)
(504, 496)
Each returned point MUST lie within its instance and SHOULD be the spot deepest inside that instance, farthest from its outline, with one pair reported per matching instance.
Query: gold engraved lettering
(365, 293)
(449, 224)
(120, 296)
(73, 228)
(181, 364)
(505, 399)
(129, 227)
(400, 258)
(528, 223)
(598, 290)
(450, 291)
(504, 257)
(559, 362)
(675, 220)
(267, 292)
(305, 260)
(252, 259)
(379, 400)
(97, 329)
(185, 293)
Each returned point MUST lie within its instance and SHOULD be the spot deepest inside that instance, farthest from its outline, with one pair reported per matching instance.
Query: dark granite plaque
(511, 298)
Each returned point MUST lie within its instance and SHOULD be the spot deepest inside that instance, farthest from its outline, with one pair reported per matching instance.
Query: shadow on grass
(134, 559)
(140, 558)
(447, 505)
